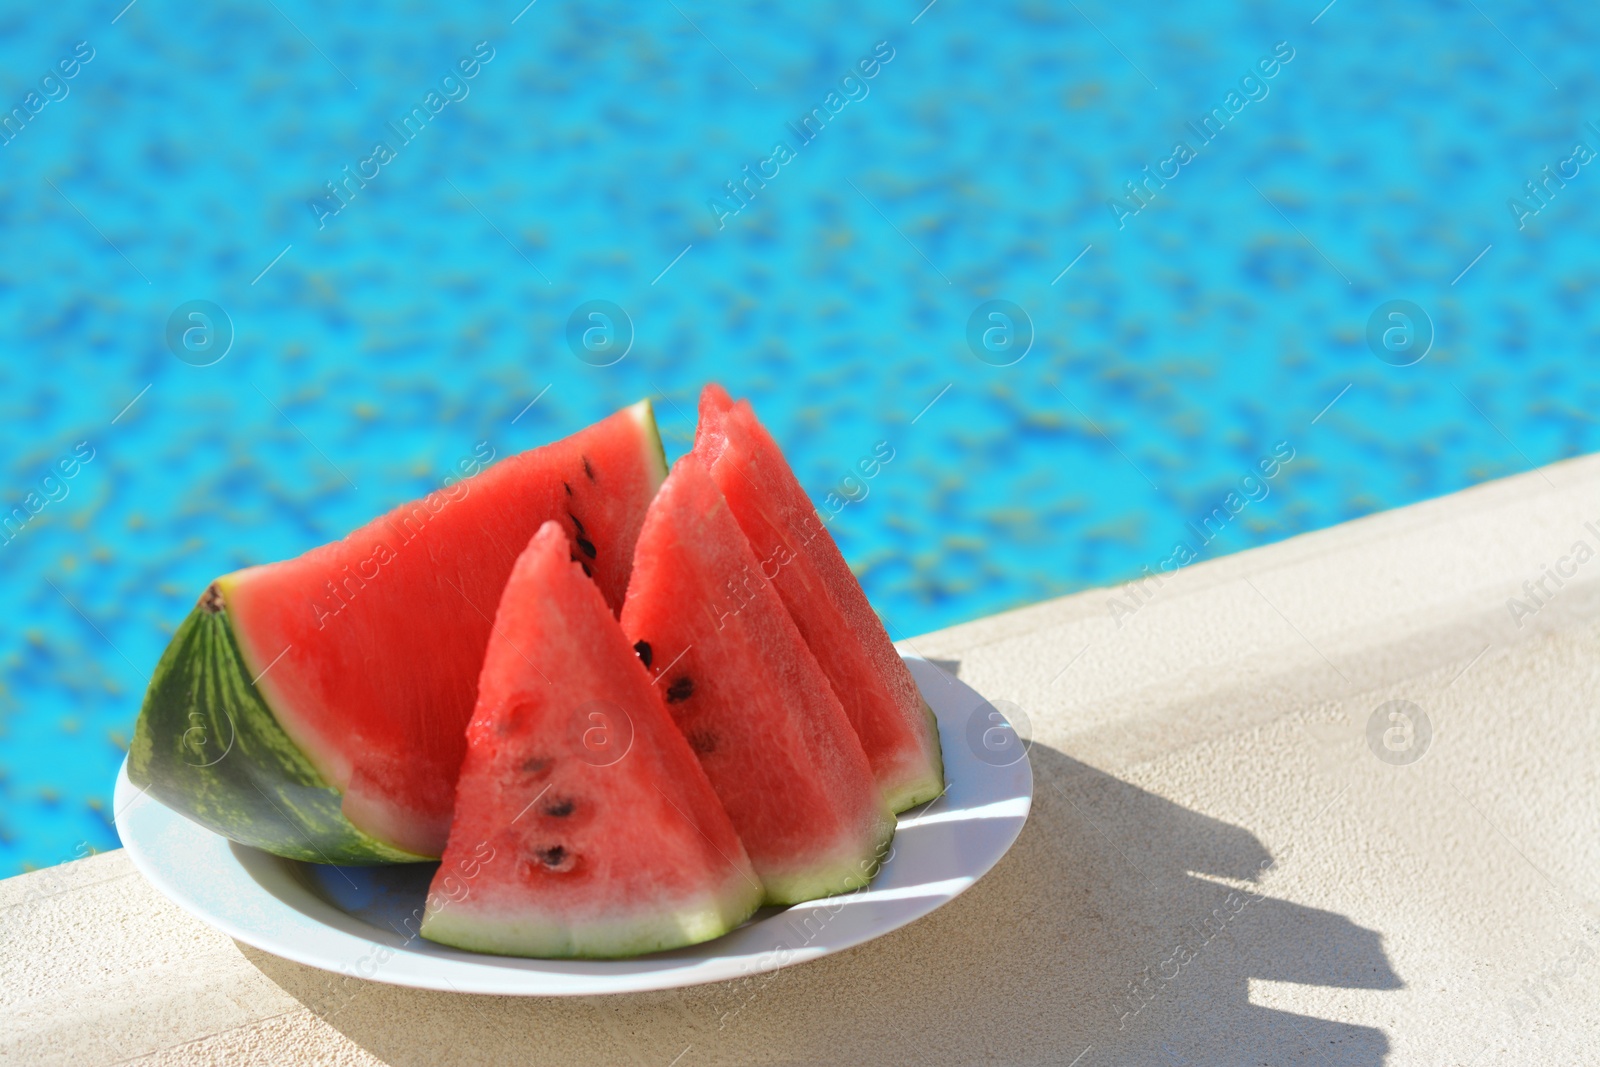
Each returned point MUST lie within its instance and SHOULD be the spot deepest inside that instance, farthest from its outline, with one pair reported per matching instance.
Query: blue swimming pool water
(375, 345)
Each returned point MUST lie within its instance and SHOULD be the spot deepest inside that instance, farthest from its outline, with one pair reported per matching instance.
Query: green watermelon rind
(645, 412)
(920, 790)
(482, 930)
(208, 746)
(843, 874)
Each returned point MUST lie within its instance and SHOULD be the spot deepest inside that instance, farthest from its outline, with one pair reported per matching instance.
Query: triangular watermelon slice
(752, 701)
(315, 708)
(797, 555)
(583, 824)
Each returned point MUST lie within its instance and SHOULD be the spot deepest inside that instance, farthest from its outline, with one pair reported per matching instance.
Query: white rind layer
(927, 785)
(513, 932)
(840, 874)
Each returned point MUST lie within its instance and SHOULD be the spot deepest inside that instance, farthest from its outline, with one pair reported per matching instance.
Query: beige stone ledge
(1212, 743)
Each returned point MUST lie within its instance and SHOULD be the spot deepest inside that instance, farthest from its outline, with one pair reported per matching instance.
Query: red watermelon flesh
(368, 649)
(584, 827)
(798, 556)
(748, 694)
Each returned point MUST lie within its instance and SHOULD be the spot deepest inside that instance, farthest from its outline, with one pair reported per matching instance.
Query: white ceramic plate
(349, 919)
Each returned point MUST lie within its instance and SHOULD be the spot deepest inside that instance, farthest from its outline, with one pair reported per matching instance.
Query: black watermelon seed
(568, 488)
(538, 765)
(552, 856)
(577, 523)
(643, 649)
(587, 570)
(559, 809)
(703, 742)
(586, 546)
(682, 689)
(588, 469)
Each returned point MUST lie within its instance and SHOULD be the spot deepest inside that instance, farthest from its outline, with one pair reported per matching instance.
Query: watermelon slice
(752, 701)
(315, 708)
(796, 554)
(583, 824)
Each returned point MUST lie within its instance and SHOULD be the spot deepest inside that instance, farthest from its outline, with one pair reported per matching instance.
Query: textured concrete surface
(1221, 866)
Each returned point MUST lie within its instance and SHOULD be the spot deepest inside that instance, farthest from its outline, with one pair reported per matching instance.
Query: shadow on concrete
(1108, 935)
